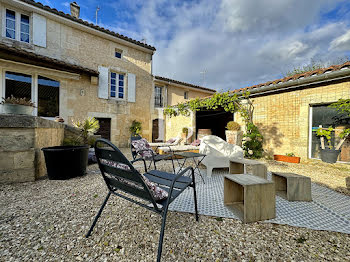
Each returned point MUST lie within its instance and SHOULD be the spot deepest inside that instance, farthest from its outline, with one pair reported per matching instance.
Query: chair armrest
(140, 159)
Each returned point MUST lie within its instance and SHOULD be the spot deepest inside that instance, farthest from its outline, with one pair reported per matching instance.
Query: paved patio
(329, 210)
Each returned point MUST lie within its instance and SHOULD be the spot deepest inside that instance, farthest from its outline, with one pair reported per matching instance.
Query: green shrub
(185, 130)
(290, 154)
(135, 128)
(253, 142)
(233, 126)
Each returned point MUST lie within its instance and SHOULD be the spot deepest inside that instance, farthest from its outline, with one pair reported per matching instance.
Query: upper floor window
(17, 21)
(158, 98)
(118, 53)
(117, 85)
(186, 94)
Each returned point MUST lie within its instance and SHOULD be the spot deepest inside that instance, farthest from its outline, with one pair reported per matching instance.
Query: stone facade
(284, 117)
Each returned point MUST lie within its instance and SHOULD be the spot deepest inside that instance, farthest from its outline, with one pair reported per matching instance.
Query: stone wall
(21, 140)
(283, 118)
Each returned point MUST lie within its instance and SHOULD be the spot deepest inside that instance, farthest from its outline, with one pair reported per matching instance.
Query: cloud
(341, 43)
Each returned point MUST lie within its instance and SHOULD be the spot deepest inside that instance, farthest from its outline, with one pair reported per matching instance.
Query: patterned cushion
(157, 192)
(143, 149)
(196, 142)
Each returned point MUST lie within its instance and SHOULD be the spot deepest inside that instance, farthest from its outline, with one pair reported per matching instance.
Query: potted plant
(71, 159)
(289, 157)
(17, 106)
(135, 128)
(330, 153)
(233, 133)
(184, 134)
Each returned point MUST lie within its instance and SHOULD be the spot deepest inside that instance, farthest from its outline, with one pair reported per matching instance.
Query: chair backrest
(133, 150)
(118, 172)
(215, 146)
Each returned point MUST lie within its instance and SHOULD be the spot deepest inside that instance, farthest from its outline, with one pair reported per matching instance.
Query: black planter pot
(329, 155)
(64, 162)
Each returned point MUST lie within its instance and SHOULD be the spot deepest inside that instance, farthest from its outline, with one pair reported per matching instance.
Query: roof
(20, 55)
(296, 77)
(80, 21)
(183, 83)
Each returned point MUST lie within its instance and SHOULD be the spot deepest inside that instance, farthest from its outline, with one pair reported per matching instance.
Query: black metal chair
(122, 180)
(155, 157)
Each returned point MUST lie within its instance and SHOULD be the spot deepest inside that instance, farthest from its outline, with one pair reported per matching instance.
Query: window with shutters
(117, 87)
(158, 98)
(17, 26)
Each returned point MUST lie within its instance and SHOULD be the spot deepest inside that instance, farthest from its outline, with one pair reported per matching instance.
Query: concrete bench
(292, 187)
(239, 166)
(253, 197)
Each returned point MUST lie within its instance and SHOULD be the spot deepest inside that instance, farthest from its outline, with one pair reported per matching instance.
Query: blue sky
(228, 44)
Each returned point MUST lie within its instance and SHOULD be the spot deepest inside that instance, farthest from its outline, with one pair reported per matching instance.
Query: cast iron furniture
(252, 196)
(155, 157)
(123, 180)
(185, 156)
(292, 187)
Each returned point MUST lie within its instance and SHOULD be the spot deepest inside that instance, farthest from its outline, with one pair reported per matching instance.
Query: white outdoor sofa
(218, 152)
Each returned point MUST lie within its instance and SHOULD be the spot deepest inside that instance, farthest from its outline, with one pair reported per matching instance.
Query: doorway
(105, 128)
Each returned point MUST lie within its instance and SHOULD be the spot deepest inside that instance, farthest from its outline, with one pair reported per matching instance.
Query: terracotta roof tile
(78, 20)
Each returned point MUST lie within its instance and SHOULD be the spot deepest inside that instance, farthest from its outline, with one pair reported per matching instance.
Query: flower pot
(16, 109)
(234, 137)
(329, 155)
(289, 159)
(64, 162)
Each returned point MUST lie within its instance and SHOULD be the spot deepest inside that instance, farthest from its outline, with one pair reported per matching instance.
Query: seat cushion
(143, 149)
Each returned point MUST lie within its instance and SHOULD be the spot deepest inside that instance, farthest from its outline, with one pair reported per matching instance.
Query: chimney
(74, 9)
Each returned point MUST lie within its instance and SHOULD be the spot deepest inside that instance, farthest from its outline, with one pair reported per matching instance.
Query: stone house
(288, 111)
(169, 92)
(74, 69)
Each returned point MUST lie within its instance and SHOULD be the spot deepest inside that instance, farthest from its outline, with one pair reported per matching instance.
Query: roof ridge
(86, 23)
(183, 83)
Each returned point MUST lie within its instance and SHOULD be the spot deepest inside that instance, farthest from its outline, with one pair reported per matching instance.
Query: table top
(189, 154)
(245, 179)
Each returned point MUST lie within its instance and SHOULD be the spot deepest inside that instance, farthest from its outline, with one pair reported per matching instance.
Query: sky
(228, 44)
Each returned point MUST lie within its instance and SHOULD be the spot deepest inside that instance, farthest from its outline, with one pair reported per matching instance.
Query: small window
(10, 24)
(158, 98)
(186, 94)
(25, 28)
(117, 85)
(118, 53)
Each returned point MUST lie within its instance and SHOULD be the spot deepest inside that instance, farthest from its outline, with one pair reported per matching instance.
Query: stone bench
(253, 197)
(239, 166)
(292, 187)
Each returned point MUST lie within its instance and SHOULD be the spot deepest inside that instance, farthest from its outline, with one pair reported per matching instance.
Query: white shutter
(131, 88)
(39, 30)
(103, 82)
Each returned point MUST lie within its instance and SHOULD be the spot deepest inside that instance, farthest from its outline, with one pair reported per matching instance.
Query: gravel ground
(46, 221)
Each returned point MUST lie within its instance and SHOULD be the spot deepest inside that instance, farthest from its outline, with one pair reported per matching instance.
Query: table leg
(197, 167)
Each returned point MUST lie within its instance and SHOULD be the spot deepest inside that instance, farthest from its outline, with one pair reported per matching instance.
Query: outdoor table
(185, 156)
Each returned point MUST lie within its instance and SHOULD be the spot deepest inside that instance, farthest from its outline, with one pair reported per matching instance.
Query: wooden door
(105, 128)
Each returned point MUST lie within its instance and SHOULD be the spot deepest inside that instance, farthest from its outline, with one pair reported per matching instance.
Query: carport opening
(215, 120)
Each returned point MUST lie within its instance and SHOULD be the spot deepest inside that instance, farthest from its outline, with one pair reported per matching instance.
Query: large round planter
(234, 137)
(64, 162)
(17, 109)
(329, 155)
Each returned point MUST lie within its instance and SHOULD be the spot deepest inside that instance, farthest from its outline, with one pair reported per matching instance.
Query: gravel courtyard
(46, 221)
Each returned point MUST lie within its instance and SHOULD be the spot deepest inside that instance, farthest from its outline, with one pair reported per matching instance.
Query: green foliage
(345, 133)
(135, 128)
(185, 130)
(290, 154)
(342, 106)
(88, 127)
(253, 141)
(233, 126)
(18, 101)
(73, 141)
(326, 132)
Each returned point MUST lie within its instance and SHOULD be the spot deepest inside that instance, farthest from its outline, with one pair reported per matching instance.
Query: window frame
(18, 21)
(119, 51)
(186, 93)
(160, 105)
(117, 87)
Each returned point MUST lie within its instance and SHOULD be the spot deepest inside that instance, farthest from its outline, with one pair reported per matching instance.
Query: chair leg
(195, 196)
(161, 237)
(98, 214)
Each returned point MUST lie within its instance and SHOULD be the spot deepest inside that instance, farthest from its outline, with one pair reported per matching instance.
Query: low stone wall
(21, 140)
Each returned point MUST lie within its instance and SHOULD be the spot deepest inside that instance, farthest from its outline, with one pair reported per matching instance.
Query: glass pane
(113, 75)
(10, 24)
(121, 83)
(113, 88)
(25, 28)
(326, 116)
(121, 95)
(48, 97)
(10, 33)
(112, 81)
(118, 55)
(10, 14)
(25, 19)
(121, 77)
(121, 90)
(18, 85)
(25, 38)
(112, 94)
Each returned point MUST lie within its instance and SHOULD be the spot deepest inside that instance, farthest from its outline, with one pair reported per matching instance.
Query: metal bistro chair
(123, 180)
(155, 157)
